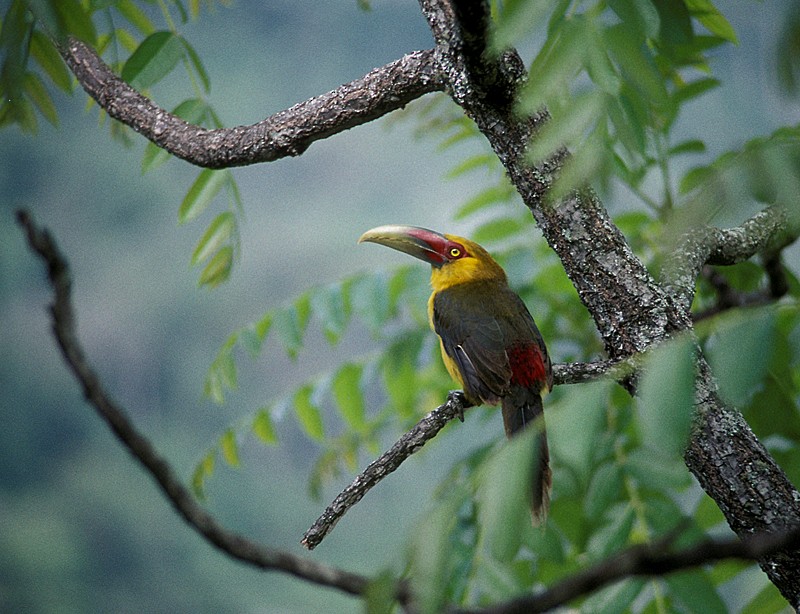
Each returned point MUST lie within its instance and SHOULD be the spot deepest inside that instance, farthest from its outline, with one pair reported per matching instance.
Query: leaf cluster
(614, 76)
(144, 54)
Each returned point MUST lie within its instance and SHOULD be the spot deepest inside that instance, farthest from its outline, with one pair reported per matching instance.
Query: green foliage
(31, 64)
(666, 397)
(614, 76)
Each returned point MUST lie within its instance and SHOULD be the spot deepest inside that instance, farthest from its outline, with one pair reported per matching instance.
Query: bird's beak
(421, 243)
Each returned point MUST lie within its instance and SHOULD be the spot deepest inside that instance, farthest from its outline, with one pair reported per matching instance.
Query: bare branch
(287, 133)
(233, 544)
(422, 432)
(645, 560)
(425, 430)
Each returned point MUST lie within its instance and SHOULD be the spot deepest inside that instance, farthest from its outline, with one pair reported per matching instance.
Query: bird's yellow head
(453, 259)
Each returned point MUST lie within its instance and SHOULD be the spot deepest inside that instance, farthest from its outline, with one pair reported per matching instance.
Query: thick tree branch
(233, 544)
(422, 432)
(645, 560)
(766, 233)
(631, 310)
(287, 133)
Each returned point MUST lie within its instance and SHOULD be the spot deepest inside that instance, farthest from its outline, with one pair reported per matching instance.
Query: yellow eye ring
(455, 252)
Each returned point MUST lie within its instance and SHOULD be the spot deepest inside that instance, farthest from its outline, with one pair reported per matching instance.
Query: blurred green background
(82, 528)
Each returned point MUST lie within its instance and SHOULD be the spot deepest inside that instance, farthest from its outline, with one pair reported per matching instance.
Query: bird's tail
(516, 417)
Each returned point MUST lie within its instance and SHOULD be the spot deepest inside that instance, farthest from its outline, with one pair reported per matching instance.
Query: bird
(489, 341)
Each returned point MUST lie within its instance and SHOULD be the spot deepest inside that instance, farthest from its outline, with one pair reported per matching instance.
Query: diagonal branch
(422, 432)
(287, 133)
(233, 544)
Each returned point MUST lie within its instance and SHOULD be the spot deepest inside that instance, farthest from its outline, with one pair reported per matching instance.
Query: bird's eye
(455, 252)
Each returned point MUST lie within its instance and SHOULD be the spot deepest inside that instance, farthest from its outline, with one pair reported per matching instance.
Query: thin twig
(233, 544)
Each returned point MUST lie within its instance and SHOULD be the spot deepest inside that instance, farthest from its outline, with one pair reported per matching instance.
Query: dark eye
(455, 252)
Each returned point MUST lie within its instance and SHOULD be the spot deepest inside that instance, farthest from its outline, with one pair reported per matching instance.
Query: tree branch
(767, 232)
(287, 133)
(729, 297)
(233, 544)
(422, 432)
(645, 560)
(631, 310)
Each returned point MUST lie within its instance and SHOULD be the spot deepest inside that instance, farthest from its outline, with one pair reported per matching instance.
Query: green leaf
(212, 387)
(666, 397)
(399, 366)
(767, 601)
(739, 353)
(604, 489)
(218, 268)
(574, 426)
(203, 471)
(198, 66)
(690, 146)
(656, 470)
(696, 592)
(640, 15)
(707, 514)
(229, 447)
(154, 59)
(290, 324)
(331, 307)
(472, 163)
(612, 536)
(308, 413)
(614, 599)
(714, 21)
(369, 297)
(676, 24)
(639, 70)
(46, 55)
(135, 16)
(37, 92)
(569, 131)
(499, 193)
(252, 337)
(516, 20)
(64, 18)
(379, 597)
(201, 193)
(218, 233)
(555, 67)
(348, 396)
(504, 493)
(263, 427)
(498, 229)
(694, 89)
(431, 556)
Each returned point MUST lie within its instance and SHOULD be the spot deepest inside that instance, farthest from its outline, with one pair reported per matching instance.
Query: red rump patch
(527, 365)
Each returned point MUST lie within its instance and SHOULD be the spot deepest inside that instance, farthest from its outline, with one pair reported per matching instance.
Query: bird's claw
(457, 397)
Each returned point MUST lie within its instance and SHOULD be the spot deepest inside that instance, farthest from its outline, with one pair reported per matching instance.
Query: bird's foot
(461, 402)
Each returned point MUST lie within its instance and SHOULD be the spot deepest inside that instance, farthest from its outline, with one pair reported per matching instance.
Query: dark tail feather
(516, 417)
